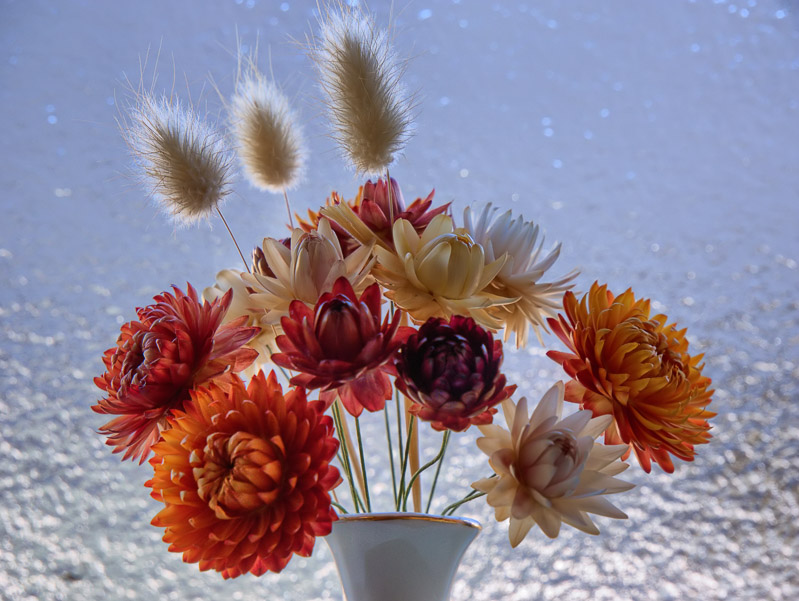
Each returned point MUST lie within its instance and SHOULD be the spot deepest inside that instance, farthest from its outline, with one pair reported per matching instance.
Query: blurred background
(656, 140)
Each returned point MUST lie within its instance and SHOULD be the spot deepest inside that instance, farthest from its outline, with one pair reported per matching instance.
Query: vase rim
(404, 515)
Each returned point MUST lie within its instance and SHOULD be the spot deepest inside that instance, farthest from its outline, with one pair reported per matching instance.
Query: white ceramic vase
(399, 556)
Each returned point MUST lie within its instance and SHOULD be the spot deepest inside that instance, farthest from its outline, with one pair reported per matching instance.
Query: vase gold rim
(422, 517)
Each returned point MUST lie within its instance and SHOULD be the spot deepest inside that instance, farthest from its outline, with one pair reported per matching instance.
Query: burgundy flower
(177, 344)
(450, 370)
(342, 347)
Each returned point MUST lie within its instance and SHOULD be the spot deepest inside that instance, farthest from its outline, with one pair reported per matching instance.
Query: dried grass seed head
(359, 73)
(184, 162)
(271, 144)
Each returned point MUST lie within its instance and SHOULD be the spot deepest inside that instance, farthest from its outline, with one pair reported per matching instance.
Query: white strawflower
(550, 470)
(521, 277)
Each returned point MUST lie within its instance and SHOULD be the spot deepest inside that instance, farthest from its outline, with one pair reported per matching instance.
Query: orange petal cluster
(245, 475)
(636, 368)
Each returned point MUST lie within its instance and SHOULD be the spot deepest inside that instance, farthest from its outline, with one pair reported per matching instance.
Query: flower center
(239, 473)
(132, 359)
(448, 365)
(548, 461)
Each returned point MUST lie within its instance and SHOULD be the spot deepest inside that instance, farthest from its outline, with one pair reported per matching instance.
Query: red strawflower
(342, 347)
(245, 476)
(176, 344)
(370, 218)
(450, 370)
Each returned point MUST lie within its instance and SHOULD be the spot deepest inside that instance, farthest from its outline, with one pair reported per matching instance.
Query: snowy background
(657, 140)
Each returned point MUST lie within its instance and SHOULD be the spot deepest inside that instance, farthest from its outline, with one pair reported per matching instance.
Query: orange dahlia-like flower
(637, 369)
(245, 476)
(177, 344)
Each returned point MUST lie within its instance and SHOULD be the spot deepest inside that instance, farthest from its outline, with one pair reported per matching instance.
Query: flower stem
(390, 453)
(427, 465)
(339, 507)
(344, 459)
(413, 443)
(344, 432)
(363, 464)
(288, 209)
(345, 466)
(232, 237)
(404, 465)
(390, 203)
(400, 444)
(450, 509)
(444, 444)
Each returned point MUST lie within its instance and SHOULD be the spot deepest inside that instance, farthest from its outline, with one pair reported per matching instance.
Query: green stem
(390, 453)
(399, 428)
(450, 509)
(427, 465)
(363, 464)
(438, 470)
(404, 468)
(345, 462)
(339, 507)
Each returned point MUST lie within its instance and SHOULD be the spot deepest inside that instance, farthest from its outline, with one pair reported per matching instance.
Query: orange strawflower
(637, 369)
(245, 476)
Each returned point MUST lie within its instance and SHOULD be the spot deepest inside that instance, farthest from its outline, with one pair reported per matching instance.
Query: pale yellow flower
(521, 275)
(440, 273)
(550, 470)
(306, 270)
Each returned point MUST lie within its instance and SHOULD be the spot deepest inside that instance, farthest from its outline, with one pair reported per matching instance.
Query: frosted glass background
(657, 140)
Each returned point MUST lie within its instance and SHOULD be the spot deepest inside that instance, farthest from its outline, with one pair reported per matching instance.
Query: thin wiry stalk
(363, 464)
(404, 466)
(438, 470)
(344, 459)
(429, 464)
(344, 433)
(390, 453)
(232, 237)
(450, 509)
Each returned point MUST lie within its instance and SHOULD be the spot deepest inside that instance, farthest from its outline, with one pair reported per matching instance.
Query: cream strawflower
(241, 304)
(520, 276)
(302, 271)
(441, 273)
(550, 470)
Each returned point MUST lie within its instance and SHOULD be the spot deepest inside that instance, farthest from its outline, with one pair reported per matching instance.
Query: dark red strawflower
(176, 344)
(342, 347)
(450, 370)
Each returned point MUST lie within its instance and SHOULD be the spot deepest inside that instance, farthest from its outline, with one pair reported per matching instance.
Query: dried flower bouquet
(371, 306)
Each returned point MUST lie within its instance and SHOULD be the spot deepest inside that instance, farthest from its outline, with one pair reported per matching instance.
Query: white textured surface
(658, 140)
